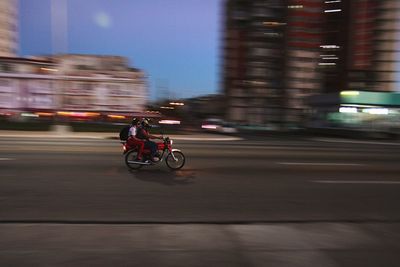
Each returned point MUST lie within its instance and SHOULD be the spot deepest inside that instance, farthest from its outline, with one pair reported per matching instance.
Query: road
(276, 202)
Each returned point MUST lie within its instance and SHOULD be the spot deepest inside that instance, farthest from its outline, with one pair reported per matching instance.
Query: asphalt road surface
(275, 202)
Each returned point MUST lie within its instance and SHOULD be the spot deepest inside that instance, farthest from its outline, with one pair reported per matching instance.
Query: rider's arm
(149, 136)
(154, 136)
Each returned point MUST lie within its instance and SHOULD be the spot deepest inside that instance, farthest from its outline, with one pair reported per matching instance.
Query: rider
(133, 141)
(144, 135)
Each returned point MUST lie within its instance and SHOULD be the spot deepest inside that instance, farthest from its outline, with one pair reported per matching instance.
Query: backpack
(124, 133)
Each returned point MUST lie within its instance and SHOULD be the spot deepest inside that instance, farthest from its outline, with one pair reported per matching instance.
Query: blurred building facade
(72, 84)
(302, 44)
(8, 28)
(360, 45)
(386, 45)
(25, 84)
(253, 61)
(277, 53)
(101, 83)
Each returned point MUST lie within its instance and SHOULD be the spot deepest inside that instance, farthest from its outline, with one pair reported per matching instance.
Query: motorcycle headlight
(171, 142)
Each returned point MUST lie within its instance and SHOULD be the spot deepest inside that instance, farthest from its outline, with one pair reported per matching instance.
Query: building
(72, 85)
(359, 55)
(8, 28)
(386, 45)
(302, 74)
(277, 53)
(26, 84)
(254, 63)
(360, 45)
(103, 84)
(271, 51)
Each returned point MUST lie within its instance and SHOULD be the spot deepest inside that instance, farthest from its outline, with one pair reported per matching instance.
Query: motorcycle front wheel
(130, 159)
(175, 164)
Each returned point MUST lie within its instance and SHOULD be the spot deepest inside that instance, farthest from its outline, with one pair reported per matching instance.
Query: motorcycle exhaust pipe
(139, 162)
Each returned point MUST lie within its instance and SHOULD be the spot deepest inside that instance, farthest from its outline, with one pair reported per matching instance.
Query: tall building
(8, 28)
(386, 45)
(360, 45)
(277, 53)
(303, 39)
(254, 61)
(271, 59)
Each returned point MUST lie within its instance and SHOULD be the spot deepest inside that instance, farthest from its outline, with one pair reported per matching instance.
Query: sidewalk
(275, 244)
(95, 135)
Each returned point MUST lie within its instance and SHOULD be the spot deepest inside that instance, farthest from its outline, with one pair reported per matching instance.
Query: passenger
(133, 141)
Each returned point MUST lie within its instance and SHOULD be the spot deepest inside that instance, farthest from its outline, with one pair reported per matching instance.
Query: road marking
(4, 159)
(354, 182)
(320, 164)
(182, 138)
(354, 142)
(50, 137)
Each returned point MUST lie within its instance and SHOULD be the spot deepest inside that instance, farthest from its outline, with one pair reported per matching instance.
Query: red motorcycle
(174, 158)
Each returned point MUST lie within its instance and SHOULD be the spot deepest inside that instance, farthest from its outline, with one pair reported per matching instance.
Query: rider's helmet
(135, 121)
(145, 123)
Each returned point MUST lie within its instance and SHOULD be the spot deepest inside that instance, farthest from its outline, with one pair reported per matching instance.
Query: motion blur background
(277, 106)
(282, 65)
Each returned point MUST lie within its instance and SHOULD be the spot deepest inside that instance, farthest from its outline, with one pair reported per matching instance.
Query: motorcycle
(174, 158)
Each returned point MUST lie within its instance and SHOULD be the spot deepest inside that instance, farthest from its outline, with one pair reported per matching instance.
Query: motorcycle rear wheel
(175, 164)
(130, 159)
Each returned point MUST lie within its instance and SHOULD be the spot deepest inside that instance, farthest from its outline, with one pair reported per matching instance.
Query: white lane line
(320, 164)
(207, 138)
(4, 159)
(354, 182)
(354, 142)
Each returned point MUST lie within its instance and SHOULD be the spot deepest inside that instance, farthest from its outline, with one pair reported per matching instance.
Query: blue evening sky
(176, 42)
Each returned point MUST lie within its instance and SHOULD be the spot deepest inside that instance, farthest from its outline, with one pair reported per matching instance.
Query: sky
(176, 42)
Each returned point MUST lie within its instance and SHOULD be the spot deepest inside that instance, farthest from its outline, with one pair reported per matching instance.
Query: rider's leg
(153, 148)
(140, 146)
(130, 143)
